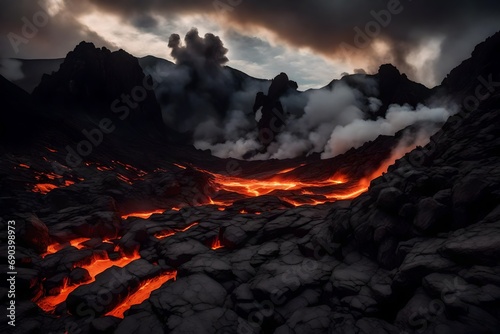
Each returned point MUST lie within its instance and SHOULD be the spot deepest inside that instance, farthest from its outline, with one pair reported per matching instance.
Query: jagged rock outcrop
(19, 119)
(390, 86)
(436, 213)
(103, 83)
(273, 115)
(482, 69)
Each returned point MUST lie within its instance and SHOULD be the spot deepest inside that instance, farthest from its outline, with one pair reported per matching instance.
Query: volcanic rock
(110, 287)
(176, 253)
(430, 214)
(198, 289)
(79, 275)
(104, 325)
(33, 232)
(390, 199)
(208, 264)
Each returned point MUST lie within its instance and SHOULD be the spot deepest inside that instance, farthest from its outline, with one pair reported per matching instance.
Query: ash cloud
(54, 39)
(326, 26)
(199, 52)
(199, 93)
(448, 26)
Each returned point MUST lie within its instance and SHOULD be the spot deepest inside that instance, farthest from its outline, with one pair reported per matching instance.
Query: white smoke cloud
(214, 104)
(332, 122)
(358, 132)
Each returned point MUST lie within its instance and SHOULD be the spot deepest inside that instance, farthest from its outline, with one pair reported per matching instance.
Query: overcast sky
(313, 41)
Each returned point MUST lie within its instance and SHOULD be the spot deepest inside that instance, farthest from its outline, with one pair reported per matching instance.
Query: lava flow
(216, 244)
(97, 266)
(256, 187)
(46, 181)
(55, 247)
(142, 294)
(143, 215)
(147, 214)
(169, 233)
(337, 187)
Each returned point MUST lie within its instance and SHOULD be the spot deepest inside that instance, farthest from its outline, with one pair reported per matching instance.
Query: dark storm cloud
(329, 26)
(254, 48)
(28, 30)
(145, 22)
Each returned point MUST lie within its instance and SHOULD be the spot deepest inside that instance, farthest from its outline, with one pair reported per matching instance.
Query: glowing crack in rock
(143, 293)
(97, 265)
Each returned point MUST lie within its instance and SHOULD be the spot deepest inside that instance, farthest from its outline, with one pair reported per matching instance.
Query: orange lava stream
(55, 247)
(179, 166)
(49, 303)
(104, 168)
(363, 184)
(138, 172)
(221, 204)
(255, 187)
(142, 294)
(216, 244)
(101, 265)
(166, 234)
(44, 188)
(144, 215)
(124, 179)
(289, 169)
(188, 227)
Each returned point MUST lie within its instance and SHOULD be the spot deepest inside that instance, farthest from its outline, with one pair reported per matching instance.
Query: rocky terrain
(155, 238)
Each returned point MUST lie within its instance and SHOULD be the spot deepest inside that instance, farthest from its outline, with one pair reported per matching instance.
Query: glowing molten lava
(179, 166)
(46, 182)
(143, 215)
(254, 188)
(164, 234)
(321, 189)
(299, 192)
(44, 188)
(97, 266)
(216, 244)
(55, 247)
(142, 294)
(169, 233)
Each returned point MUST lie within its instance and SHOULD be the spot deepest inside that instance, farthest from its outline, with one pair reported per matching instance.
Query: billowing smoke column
(333, 121)
(201, 53)
(218, 108)
(199, 88)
